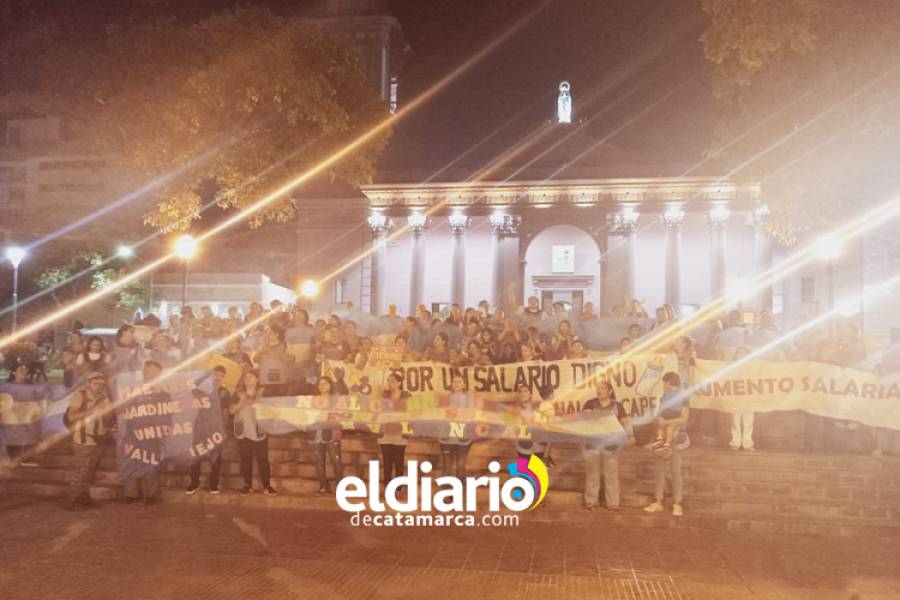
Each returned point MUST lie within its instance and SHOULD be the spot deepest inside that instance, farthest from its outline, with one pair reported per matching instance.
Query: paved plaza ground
(119, 551)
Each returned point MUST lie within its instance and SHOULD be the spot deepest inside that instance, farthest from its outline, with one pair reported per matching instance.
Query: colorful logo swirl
(534, 471)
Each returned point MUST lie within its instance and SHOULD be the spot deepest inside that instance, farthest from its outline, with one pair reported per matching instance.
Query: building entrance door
(573, 300)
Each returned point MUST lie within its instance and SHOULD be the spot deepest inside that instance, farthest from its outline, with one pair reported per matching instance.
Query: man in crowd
(147, 485)
(89, 410)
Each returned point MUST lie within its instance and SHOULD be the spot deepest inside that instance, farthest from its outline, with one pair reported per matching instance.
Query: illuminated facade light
(309, 289)
(564, 103)
(15, 255)
(417, 220)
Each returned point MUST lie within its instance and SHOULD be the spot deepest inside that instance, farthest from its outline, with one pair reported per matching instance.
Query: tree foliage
(87, 269)
(243, 98)
(810, 89)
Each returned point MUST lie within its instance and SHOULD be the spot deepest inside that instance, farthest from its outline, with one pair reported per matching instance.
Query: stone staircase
(766, 492)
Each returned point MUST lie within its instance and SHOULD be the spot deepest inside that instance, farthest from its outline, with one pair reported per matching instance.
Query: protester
(742, 421)
(22, 456)
(147, 485)
(87, 414)
(215, 465)
(252, 443)
(391, 441)
(600, 458)
(327, 441)
(94, 358)
(674, 413)
(525, 405)
(455, 451)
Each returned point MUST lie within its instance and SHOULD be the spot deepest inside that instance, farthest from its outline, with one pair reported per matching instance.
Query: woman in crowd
(275, 363)
(455, 451)
(327, 440)
(566, 336)
(95, 358)
(128, 353)
(533, 338)
(392, 442)
(554, 349)
(439, 351)
(20, 454)
(602, 457)
(162, 350)
(576, 350)
(472, 356)
(488, 345)
(252, 443)
(74, 348)
(525, 406)
(234, 352)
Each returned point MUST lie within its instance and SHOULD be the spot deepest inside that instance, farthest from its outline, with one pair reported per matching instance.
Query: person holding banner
(525, 402)
(674, 410)
(393, 445)
(147, 484)
(455, 451)
(215, 467)
(598, 459)
(21, 452)
(85, 416)
(327, 441)
(252, 443)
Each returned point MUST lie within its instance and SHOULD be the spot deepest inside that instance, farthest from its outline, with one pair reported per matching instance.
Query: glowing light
(848, 307)
(309, 289)
(719, 214)
(377, 220)
(739, 289)
(829, 246)
(16, 255)
(124, 251)
(458, 219)
(185, 247)
(417, 220)
(674, 214)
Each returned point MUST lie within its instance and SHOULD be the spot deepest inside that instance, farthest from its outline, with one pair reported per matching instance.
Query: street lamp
(16, 255)
(309, 289)
(185, 248)
(124, 251)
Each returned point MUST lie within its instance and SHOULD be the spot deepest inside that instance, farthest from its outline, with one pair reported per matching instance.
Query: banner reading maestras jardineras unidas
(817, 388)
(637, 380)
(175, 420)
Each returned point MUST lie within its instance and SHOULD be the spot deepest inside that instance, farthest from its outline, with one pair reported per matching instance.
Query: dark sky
(625, 53)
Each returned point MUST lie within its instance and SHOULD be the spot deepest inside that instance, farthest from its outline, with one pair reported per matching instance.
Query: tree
(87, 269)
(810, 89)
(243, 99)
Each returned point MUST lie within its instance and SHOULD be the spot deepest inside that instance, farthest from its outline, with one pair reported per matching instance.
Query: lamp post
(185, 248)
(16, 255)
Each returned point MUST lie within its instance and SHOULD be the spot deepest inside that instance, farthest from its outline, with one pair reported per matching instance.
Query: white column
(380, 226)
(762, 253)
(673, 220)
(505, 256)
(458, 225)
(621, 253)
(718, 220)
(417, 224)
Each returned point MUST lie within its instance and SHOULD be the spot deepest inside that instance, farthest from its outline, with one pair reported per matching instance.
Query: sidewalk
(124, 552)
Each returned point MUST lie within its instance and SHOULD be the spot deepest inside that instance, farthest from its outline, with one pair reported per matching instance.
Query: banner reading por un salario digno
(177, 419)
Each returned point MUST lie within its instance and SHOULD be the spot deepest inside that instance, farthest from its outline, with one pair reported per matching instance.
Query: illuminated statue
(564, 103)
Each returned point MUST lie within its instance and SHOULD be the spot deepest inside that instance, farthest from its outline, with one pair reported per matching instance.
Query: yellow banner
(817, 388)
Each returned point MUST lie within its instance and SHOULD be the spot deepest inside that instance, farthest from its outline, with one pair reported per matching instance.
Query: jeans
(249, 450)
(215, 470)
(454, 457)
(742, 436)
(595, 463)
(392, 460)
(147, 484)
(333, 450)
(672, 464)
(82, 475)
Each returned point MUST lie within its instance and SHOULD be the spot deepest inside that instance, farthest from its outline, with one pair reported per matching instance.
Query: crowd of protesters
(258, 342)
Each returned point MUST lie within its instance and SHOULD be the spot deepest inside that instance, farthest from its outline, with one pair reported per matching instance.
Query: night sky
(606, 49)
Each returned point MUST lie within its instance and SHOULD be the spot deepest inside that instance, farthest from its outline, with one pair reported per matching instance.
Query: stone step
(556, 511)
(845, 494)
(633, 494)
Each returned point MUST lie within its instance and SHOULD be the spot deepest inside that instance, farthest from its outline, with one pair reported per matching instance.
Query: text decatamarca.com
(416, 499)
